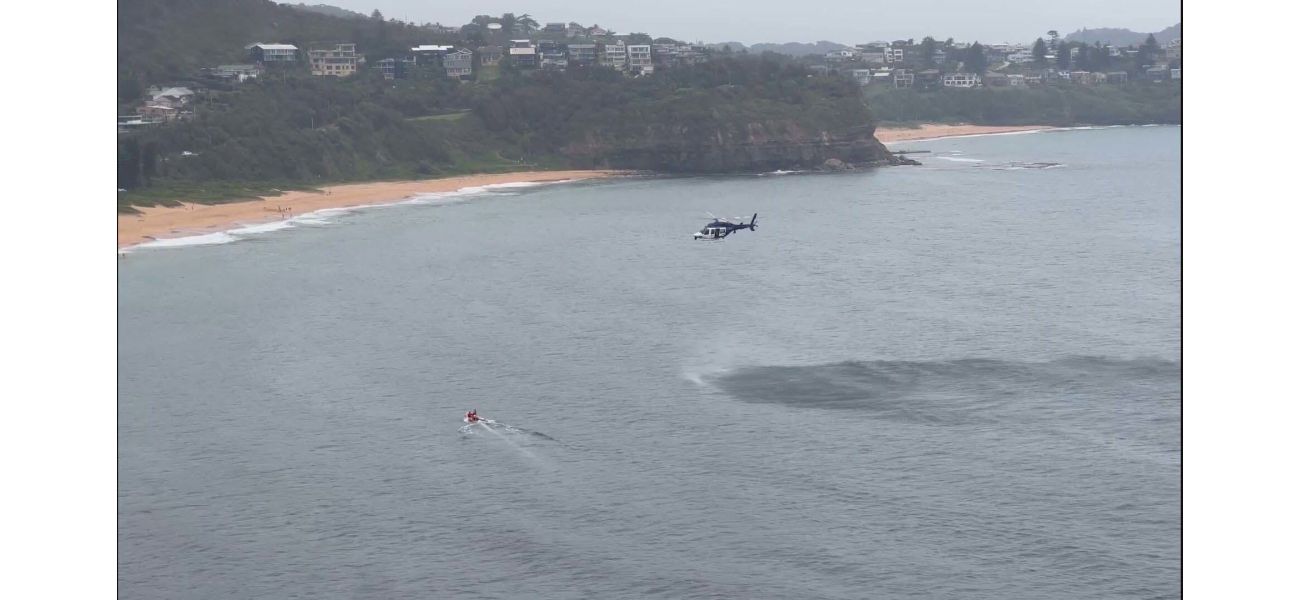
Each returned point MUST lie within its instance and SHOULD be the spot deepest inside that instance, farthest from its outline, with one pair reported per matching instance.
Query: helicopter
(720, 228)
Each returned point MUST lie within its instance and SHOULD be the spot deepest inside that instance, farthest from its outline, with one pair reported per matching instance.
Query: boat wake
(491, 426)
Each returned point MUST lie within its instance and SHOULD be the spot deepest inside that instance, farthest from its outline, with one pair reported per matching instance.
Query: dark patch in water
(956, 391)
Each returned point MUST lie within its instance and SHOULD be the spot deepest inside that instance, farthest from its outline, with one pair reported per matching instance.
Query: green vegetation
(1136, 103)
(211, 192)
(298, 130)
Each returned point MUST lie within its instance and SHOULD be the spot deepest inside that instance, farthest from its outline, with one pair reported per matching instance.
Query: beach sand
(197, 219)
(934, 130)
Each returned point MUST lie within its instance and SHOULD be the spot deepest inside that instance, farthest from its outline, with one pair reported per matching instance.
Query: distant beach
(936, 130)
(190, 219)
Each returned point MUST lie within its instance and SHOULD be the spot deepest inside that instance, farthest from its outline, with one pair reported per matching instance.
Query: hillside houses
(639, 61)
(458, 63)
(335, 60)
(558, 46)
(960, 80)
(272, 54)
(489, 56)
(164, 104)
(614, 56)
(236, 73)
(934, 65)
(582, 54)
(552, 55)
(554, 47)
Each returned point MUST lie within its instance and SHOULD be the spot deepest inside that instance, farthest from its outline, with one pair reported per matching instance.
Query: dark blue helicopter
(721, 228)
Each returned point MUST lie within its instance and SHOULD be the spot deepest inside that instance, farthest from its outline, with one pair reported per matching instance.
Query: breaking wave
(1018, 166)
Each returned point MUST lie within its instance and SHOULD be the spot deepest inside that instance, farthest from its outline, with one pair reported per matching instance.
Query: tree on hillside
(975, 60)
(1040, 52)
(381, 29)
(508, 23)
(1099, 58)
(526, 23)
(1063, 57)
(1083, 60)
(1148, 50)
(1151, 44)
(1055, 44)
(129, 88)
(928, 46)
(474, 34)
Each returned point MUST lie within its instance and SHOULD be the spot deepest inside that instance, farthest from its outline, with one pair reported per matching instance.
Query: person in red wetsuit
(472, 416)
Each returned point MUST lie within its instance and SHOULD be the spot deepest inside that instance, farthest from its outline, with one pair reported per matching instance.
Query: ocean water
(958, 380)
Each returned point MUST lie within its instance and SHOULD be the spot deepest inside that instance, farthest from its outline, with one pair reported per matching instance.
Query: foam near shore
(930, 131)
(192, 224)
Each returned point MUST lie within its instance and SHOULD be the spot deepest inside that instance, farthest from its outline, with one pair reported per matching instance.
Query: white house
(614, 56)
(458, 63)
(961, 80)
(272, 53)
(173, 97)
(523, 56)
(237, 72)
(638, 59)
(872, 57)
(338, 60)
(1020, 57)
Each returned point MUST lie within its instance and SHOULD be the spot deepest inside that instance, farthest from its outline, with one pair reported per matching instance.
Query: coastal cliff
(758, 147)
(732, 115)
(740, 114)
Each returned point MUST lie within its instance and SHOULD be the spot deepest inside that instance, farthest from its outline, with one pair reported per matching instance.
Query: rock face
(759, 147)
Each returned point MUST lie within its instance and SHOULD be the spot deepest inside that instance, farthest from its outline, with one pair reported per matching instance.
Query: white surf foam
(969, 135)
(205, 239)
(262, 228)
(325, 216)
(959, 159)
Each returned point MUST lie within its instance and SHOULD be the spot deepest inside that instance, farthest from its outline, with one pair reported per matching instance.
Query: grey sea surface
(958, 380)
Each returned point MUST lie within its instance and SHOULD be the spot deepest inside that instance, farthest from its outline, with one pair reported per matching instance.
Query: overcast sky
(844, 21)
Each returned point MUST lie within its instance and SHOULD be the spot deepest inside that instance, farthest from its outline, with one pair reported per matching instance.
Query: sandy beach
(935, 130)
(197, 219)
